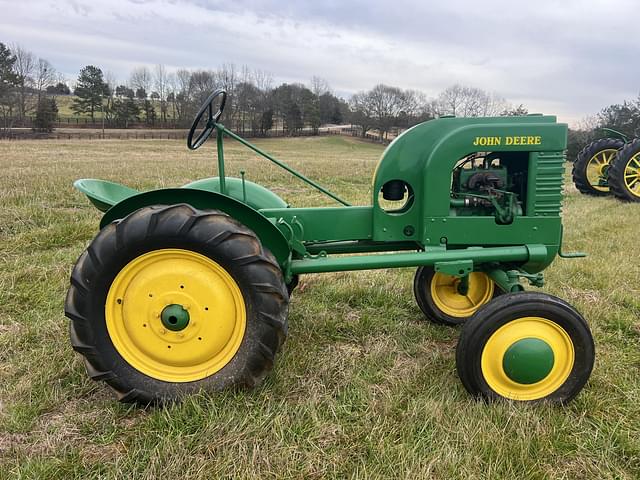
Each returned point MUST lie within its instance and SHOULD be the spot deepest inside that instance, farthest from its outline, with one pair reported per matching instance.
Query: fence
(81, 134)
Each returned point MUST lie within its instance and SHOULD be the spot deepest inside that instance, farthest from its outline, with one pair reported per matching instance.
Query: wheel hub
(528, 361)
(460, 300)
(175, 317)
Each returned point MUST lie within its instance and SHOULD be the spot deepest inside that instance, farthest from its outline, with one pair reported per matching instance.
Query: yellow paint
(444, 292)
(150, 282)
(597, 165)
(632, 175)
(510, 140)
(527, 327)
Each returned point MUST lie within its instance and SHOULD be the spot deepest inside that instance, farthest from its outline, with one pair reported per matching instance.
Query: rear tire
(624, 174)
(172, 300)
(591, 166)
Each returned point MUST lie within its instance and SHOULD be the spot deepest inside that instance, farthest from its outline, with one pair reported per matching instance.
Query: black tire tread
(616, 172)
(468, 343)
(579, 170)
(181, 223)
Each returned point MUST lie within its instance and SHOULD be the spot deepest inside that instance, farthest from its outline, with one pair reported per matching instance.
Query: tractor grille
(549, 180)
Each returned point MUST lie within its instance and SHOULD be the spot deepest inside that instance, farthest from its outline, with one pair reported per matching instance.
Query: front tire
(525, 346)
(438, 297)
(172, 300)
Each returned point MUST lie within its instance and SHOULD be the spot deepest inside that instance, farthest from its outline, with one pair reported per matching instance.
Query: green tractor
(609, 165)
(187, 289)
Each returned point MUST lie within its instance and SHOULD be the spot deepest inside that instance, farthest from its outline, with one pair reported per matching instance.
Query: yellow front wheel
(172, 300)
(443, 299)
(527, 347)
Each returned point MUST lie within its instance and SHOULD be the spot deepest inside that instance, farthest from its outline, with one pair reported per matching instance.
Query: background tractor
(187, 289)
(609, 165)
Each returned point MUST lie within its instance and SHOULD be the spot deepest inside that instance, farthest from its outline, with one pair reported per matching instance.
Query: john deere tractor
(187, 289)
(609, 165)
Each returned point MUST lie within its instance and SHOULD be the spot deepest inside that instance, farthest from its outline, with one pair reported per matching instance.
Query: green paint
(175, 317)
(270, 236)
(103, 194)
(221, 175)
(459, 221)
(252, 194)
(322, 263)
(528, 361)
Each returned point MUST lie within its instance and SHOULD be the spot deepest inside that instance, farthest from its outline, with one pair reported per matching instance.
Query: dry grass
(364, 387)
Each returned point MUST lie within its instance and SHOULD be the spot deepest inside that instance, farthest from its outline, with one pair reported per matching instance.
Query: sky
(570, 58)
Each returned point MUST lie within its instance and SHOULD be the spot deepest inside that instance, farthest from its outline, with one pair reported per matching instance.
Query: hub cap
(446, 296)
(527, 359)
(175, 315)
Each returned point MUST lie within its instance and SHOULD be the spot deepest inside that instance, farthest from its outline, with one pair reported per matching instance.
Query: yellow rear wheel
(597, 168)
(172, 300)
(175, 315)
(591, 167)
(625, 173)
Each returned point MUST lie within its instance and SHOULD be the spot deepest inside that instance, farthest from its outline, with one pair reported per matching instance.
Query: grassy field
(364, 387)
(64, 103)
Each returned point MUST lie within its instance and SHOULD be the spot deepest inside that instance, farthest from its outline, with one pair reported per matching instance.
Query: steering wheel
(212, 119)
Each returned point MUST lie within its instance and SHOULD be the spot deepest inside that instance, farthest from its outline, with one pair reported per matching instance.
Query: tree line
(623, 117)
(157, 97)
(25, 80)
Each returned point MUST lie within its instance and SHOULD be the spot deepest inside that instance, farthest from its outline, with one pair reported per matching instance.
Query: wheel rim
(598, 167)
(445, 294)
(527, 359)
(175, 315)
(632, 175)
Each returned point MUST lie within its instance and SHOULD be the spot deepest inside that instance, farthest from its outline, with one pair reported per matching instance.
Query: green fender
(257, 196)
(270, 236)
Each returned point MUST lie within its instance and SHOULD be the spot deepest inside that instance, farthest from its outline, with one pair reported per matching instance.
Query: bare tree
(319, 86)
(45, 76)
(141, 79)
(263, 80)
(389, 105)
(362, 111)
(202, 83)
(227, 77)
(24, 67)
(160, 82)
(469, 102)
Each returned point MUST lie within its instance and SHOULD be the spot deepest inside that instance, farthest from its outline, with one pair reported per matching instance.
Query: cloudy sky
(569, 57)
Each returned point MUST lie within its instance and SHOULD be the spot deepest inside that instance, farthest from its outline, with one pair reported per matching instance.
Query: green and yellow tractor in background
(187, 289)
(609, 165)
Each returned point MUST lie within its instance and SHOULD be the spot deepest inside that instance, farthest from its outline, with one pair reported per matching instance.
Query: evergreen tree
(149, 112)
(8, 78)
(60, 88)
(90, 90)
(126, 111)
(8, 84)
(46, 114)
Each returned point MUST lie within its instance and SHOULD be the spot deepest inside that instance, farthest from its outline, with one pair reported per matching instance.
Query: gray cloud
(570, 58)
